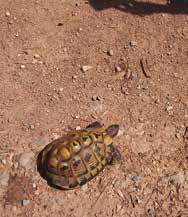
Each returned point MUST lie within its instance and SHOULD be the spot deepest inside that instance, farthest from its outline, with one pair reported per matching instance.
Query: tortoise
(74, 159)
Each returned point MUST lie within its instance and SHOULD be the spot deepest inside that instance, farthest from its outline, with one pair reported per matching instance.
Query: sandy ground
(64, 64)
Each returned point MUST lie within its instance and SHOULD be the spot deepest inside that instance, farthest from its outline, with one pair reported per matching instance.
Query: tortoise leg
(114, 155)
(95, 124)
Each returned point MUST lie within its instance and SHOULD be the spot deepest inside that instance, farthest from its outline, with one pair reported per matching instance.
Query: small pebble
(136, 178)
(86, 68)
(110, 52)
(95, 97)
(22, 66)
(59, 201)
(7, 14)
(37, 56)
(4, 178)
(178, 178)
(84, 187)
(25, 202)
(26, 159)
(121, 131)
(133, 43)
(55, 135)
(4, 162)
(78, 128)
(169, 108)
(118, 69)
(60, 89)
(76, 117)
(32, 127)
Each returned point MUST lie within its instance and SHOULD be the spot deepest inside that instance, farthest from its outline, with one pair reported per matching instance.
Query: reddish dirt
(142, 87)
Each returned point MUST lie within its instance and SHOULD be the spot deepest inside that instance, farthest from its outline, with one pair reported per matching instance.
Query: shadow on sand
(142, 8)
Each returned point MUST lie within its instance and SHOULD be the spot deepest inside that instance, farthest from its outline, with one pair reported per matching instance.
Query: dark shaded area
(142, 8)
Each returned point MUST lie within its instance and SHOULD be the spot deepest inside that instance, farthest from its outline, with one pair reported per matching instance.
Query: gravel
(4, 178)
(26, 160)
(178, 178)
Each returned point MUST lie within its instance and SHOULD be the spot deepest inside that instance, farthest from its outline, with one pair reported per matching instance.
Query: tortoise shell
(77, 157)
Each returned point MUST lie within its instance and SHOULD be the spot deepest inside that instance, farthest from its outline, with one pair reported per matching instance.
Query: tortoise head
(110, 133)
(112, 130)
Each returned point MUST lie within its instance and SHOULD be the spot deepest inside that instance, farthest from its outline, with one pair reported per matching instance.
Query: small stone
(178, 135)
(32, 127)
(76, 116)
(157, 101)
(7, 14)
(133, 43)
(25, 202)
(34, 185)
(59, 201)
(61, 89)
(95, 98)
(110, 52)
(84, 187)
(4, 162)
(37, 56)
(78, 128)
(4, 178)
(22, 67)
(86, 68)
(74, 77)
(120, 132)
(55, 135)
(136, 178)
(118, 69)
(178, 178)
(26, 159)
(169, 109)
(141, 120)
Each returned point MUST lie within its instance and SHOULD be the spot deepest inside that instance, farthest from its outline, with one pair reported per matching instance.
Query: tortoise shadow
(142, 8)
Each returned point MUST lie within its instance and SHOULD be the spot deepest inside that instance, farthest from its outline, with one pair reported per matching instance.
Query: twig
(145, 68)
